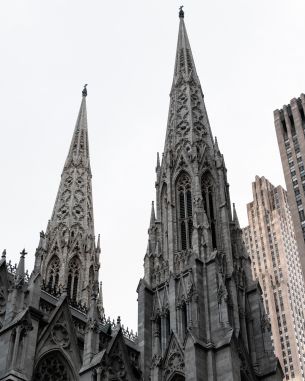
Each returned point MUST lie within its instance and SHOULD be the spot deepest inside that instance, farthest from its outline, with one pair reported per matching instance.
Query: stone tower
(52, 324)
(200, 314)
(69, 257)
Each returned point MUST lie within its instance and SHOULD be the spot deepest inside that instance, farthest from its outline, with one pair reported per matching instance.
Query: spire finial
(152, 215)
(84, 92)
(181, 12)
(4, 254)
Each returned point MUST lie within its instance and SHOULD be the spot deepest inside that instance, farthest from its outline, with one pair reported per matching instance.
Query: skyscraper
(271, 244)
(290, 130)
(201, 317)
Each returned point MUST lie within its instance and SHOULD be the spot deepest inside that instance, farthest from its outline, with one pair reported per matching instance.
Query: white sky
(249, 55)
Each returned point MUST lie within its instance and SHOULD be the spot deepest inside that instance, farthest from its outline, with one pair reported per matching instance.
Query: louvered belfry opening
(53, 272)
(208, 191)
(73, 278)
(185, 211)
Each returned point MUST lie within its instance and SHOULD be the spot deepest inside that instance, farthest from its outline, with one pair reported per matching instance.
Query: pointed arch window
(208, 192)
(184, 318)
(53, 367)
(164, 217)
(53, 272)
(185, 212)
(177, 377)
(73, 278)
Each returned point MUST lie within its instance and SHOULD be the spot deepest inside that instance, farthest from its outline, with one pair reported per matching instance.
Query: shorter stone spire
(42, 237)
(100, 302)
(4, 254)
(216, 146)
(20, 271)
(98, 245)
(235, 218)
(152, 215)
(158, 163)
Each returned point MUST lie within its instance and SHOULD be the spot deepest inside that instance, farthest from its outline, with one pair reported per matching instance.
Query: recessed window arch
(185, 211)
(208, 196)
(184, 318)
(53, 367)
(177, 377)
(164, 218)
(73, 278)
(91, 281)
(53, 272)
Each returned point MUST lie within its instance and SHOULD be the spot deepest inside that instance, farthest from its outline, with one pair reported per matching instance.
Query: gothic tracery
(53, 272)
(52, 367)
(185, 212)
(73, 278)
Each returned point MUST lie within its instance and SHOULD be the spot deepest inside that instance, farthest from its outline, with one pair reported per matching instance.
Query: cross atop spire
(84, 92)
(181, 12)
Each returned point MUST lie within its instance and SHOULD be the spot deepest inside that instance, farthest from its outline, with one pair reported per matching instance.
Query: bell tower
(67, 253)
(200, 313)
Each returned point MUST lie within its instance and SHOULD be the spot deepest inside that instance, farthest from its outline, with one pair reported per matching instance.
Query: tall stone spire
(197, 288)
(74, 198)
(70, 232)
(187, 120)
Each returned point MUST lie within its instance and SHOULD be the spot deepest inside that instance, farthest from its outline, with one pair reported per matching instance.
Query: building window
(209, 205)
(185, 212)
(184, 318)
(53, 367)
(73, 278)
(53, 272)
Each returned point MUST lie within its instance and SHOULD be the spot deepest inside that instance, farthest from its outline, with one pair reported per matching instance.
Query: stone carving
(197, 112)
(2, 300)
(265, 323)
(175, 361)
(221, 293)
(160, 272)
(156, 361)
(181, 260)
(189, 60)
(183, 125)
(60, 335)
(116, 367)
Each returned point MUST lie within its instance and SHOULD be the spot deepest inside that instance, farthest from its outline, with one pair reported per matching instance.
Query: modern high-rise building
(200, 313)
(290, 130)
(271, 244)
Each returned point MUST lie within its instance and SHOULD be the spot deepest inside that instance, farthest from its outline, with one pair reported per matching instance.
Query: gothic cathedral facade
(200, 313)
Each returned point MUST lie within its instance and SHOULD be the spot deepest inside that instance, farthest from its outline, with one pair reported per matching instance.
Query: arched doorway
(53, 367)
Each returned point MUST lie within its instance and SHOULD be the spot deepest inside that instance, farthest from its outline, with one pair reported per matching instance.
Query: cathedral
(200, 313)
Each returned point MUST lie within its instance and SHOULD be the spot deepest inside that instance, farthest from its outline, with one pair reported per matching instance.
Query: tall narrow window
(73, 277)
(69, 285)
(185, 211)
(184, 318)
(168, 326)
(208, 204)
(53, 272)
(164, 217)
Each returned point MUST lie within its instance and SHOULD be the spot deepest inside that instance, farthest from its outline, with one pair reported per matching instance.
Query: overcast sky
(249, 55)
